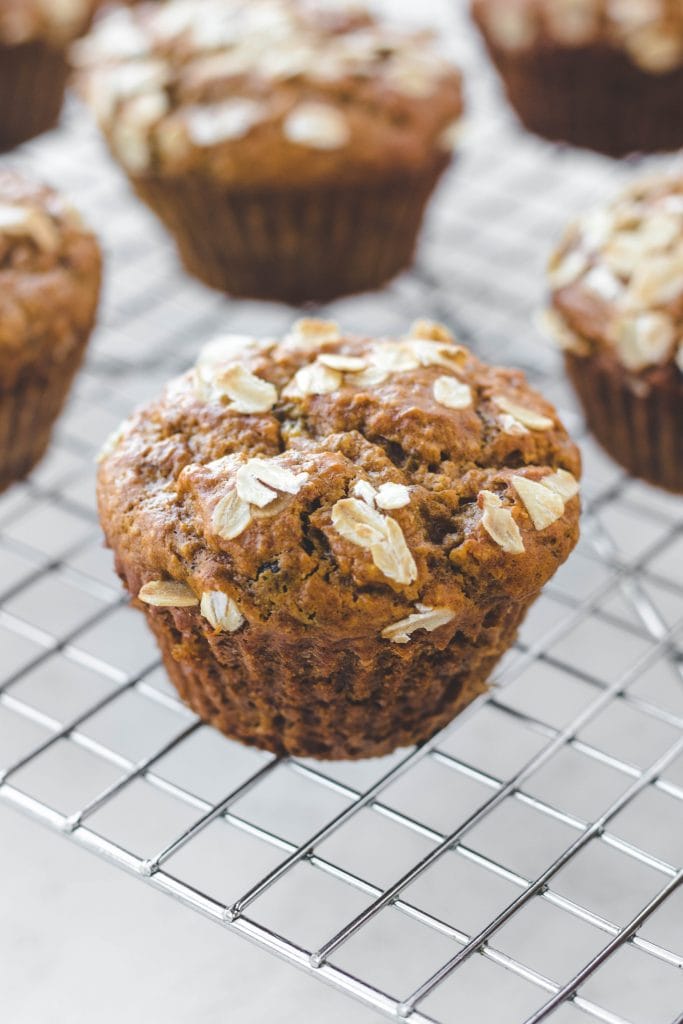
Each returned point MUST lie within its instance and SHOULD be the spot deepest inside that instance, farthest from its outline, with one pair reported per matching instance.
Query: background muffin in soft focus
(617, 283)
(606, 74)
(49, 288)
(34, 37)
(290, 147)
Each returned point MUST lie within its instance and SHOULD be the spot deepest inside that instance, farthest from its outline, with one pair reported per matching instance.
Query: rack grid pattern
(526, 863)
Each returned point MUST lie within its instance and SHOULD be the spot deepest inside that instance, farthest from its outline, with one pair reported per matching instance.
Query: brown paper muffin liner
(33, 78)
(295, 245)
(639, 422)
(28, 412)
(310, 693)
(594, 97)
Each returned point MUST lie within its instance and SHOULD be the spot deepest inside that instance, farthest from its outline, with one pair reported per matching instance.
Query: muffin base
(306, 694)
(638, 423)
(33, 79)
(293, 245)
(28, 412)
(594, 97)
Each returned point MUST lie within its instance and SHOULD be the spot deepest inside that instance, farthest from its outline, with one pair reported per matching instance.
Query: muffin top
(649, 31)
(617, 279)
(259, 91)
(373, 487)
(56, 21)
(50, 268)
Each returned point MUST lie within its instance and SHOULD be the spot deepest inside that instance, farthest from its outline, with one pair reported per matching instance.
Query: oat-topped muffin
(607, 74)
(34, 35)
(334, 538)
(49, 287)
(617, 296)
(289, 145)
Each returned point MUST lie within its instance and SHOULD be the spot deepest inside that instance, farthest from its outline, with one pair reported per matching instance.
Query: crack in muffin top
(49, 273)
(650, 32)
(245, 87)
(371, 485)
(58, 22)
(617, 279)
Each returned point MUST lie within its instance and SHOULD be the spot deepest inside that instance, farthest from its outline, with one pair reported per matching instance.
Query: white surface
(83, 943)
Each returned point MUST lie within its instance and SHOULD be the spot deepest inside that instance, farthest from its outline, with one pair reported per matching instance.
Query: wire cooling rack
(524, 864)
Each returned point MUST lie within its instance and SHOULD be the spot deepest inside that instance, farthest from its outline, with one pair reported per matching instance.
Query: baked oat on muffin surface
(290, 147)
(50, 269)
(617, 310)
(335, 538)
(34, 36)
(606, 74)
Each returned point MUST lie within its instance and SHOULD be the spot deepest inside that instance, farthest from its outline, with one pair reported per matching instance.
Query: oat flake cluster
(19, 221)
(166, 79)
(372, 513)
(649, 31)
(39, 224)
(620, 269)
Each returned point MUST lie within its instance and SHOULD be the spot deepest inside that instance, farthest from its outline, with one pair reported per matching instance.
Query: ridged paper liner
(309, 692)
(638, 422)
(32, 82)
(594, 97)
(28, 411)
(293, 244)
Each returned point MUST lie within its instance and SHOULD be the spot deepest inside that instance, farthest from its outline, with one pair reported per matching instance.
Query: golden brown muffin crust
(369, 487)
(267, 92)
(50, 267)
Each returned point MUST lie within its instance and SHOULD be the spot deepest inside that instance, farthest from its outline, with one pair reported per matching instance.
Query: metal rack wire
(525, 864)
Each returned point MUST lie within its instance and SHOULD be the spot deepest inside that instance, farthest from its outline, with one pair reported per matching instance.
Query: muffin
(49, 287)
(34, 37)
(290, 146)
(617, 311)
(605, 74)
(333, 538)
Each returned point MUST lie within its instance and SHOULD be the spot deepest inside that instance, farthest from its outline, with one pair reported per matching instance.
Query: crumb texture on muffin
(335, 538)
(329, 480)
(650, 32)
(266, 91)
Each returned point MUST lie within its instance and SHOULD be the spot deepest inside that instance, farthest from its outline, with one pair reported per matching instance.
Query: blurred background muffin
(605, 74)
(34, 37)
(49, 289)
(290, 147)
(335, 538)
(617, 296)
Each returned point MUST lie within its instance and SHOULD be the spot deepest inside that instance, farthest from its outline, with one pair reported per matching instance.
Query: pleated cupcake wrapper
(293, 244)
(32, 82)
(301, 697)
(308, 692)
(642, 429)
(594, 97)
(28, 412)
